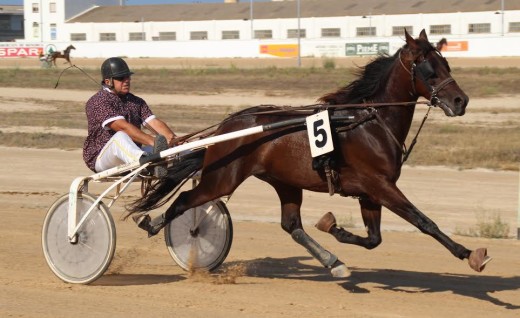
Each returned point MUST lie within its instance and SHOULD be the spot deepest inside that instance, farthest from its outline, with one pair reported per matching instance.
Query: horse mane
(371, 78)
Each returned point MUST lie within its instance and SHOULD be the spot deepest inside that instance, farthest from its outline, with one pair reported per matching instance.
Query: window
(293, 33)
(230, 35)
(35, 8)
(479, 28)
(399, 30)
(5, 22)
(366, 31)
(137, 36)
(107, 36)
(53, 31)
(52, 7)
(440, 29)
(514, 26)
(330, 33)
(198, 35)
(167, 36)
(36, 30)
(263, 34)
(78, 36)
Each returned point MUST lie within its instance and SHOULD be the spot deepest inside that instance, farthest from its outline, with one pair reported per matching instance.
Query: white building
(236, 29)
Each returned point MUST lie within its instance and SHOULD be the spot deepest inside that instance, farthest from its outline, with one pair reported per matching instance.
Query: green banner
(366, 48)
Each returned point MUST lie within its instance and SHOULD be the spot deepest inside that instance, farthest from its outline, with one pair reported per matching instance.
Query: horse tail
(160, 191)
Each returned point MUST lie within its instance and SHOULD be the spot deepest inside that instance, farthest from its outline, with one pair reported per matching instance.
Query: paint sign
(20, 51)
(280, 50)
(368, 48)
(455, 46)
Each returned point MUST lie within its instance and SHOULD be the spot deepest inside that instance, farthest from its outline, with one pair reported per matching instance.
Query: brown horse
(65, 55)
(365, 163)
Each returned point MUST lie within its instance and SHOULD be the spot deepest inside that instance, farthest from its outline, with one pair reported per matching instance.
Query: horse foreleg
(391, 197)
(371, 213)
(291, 200)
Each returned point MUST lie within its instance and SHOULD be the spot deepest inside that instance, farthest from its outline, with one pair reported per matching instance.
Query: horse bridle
(424, 72)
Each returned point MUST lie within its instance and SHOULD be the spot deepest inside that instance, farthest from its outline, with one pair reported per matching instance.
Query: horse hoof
(478, 259)
(326, 222)
(340, 270)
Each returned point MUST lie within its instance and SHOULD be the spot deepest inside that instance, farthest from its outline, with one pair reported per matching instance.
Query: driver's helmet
(115, 67)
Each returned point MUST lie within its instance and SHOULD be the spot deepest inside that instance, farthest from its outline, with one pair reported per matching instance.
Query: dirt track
(409, 275)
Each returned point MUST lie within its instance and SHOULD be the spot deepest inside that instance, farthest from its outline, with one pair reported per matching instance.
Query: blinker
(425, 70)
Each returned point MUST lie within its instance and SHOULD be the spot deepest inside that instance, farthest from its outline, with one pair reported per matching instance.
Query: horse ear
(423, 35)
(409, 40)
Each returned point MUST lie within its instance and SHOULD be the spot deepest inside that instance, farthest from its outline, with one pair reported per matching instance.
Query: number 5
(319, 133)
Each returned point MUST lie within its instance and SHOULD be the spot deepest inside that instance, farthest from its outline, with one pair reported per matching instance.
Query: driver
(114, 118)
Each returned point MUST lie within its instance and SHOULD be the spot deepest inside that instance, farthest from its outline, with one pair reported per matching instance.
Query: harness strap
(328, 174)
(439, 87)
(414, 141)
(389, 132)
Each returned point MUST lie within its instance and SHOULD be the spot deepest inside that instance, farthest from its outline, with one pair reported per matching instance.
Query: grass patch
(329, 64)
(466, 146)
(291, 81)
(487, 227)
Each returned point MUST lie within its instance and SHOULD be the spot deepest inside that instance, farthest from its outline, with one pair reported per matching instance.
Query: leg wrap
(325, 257)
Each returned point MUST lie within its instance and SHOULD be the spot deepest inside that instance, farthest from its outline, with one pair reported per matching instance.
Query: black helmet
(115, 67)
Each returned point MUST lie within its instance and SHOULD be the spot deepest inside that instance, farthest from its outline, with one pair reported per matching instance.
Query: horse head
(70, 47)
(431, 75)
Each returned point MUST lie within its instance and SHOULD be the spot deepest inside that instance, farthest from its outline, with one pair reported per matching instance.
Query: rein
(310, 109)
(73, 66)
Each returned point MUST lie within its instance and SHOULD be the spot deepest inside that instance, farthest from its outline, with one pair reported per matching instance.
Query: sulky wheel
(86, 259)
(201, 237)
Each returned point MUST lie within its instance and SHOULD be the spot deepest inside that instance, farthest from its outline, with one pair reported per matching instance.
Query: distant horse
(365, 163)
(65, 55)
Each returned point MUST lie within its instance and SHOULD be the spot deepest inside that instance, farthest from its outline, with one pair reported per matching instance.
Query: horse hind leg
(291, 200)
(326, 258)
(371, 213)
(211, 186)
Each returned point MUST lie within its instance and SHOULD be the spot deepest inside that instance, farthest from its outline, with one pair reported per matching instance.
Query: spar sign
(32, 51)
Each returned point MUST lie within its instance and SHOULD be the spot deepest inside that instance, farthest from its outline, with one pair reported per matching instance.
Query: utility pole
(299, 36)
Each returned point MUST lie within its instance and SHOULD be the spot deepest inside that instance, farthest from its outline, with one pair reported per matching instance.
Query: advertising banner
(366, 48)
(20, 51)
(280, 50)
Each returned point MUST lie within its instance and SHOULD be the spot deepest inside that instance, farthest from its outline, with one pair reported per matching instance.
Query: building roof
(284, 9)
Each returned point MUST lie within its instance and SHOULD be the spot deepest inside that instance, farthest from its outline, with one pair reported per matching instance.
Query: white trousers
(119, 149)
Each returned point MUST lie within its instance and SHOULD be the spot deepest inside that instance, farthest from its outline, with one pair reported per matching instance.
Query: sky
(136, 2)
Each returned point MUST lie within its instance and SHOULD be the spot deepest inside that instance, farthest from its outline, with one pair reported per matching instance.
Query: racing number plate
(319, 133)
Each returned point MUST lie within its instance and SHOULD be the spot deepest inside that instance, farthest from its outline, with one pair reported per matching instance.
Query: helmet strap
(110, 82)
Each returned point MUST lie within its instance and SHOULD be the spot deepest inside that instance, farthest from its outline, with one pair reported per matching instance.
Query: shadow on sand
(475, 286)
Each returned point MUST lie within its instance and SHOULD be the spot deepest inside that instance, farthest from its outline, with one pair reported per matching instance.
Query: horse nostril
(460, 101)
